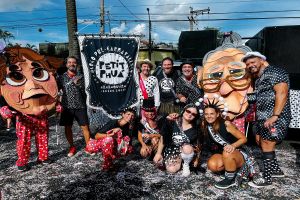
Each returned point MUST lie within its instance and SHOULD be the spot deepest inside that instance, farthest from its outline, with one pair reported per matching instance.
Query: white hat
(253, 54)
(146, 61)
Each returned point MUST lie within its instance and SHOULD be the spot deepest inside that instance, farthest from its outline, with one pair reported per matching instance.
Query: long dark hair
(216, 124)
(195, 120)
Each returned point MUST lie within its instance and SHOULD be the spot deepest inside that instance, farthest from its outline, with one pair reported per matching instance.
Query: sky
(39, 21)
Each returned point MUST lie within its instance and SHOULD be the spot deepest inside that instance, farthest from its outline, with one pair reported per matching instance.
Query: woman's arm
(109, 133)
(231, 128)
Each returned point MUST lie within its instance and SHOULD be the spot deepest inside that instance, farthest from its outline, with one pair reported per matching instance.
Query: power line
(158, 21)
(216, 19)
(146, 5)
(163, 14)
(217, 2)
(128, 9)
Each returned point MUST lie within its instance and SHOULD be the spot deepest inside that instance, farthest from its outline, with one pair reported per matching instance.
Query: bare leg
(69, 135)
(215, 163)
(86, 133)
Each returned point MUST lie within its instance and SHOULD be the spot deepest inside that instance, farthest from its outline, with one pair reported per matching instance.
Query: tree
(6, 35)
(72, 28)
(32, 46)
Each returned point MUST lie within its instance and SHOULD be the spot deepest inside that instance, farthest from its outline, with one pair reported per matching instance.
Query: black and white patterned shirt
(265, 94)
(191, 91)
(73, 94)
(151, 85)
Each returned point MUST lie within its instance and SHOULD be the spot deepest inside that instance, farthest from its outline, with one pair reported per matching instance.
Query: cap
(253, 54)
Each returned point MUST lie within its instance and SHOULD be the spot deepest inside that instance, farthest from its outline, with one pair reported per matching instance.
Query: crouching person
(227, 142)
(113, 139)
(179, 141)
(149, 129)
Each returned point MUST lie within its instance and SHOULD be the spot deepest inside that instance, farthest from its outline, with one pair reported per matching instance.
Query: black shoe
(23, 168)
(259, 183)
(44, 162)
(226, 183)
(278, 174)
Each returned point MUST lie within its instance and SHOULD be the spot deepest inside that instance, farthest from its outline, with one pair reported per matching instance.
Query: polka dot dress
(266, 101)
(26, 127)
(151, 85)
(295, 107)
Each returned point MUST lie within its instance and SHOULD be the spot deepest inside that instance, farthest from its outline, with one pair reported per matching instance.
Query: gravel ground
(80, 177)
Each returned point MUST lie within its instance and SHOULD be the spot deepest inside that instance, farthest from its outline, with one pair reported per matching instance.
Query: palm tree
(32, 46)
(6, 35)
(72, 28)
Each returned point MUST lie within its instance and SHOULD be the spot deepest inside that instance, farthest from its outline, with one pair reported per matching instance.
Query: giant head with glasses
(27, 81)
(225, 75)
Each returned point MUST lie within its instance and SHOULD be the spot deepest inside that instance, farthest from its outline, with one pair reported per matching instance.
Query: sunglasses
(190, 112)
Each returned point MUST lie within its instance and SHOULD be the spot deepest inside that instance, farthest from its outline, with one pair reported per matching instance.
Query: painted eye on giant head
(237, 73)
(40, 74)
(215, 77)
(15, 78)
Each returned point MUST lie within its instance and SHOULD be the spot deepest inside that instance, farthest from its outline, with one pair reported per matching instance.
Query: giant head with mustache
(27, 81)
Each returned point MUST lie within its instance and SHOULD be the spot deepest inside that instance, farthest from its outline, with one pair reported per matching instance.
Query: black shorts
(68, 115)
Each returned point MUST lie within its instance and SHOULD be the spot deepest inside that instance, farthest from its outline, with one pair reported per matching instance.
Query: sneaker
(185, 170)
(72, 151)
(278, 174)
(89, 152)
(23, 168)
(226, 183)
(259, 183)
(44, 162)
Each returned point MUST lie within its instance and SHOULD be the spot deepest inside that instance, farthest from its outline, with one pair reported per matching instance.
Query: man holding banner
(73, 101)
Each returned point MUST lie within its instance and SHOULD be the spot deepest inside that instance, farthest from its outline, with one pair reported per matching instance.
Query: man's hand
(182, 99)
(76, 80)
(270, 122)
(172, 116)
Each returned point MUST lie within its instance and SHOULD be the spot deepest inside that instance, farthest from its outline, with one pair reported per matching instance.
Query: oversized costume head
(224, 74)
(27, 81)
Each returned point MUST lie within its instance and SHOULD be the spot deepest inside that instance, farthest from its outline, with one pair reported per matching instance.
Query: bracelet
(276, 115)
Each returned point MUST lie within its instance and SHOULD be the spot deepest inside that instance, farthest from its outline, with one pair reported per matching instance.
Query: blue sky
(24, 18)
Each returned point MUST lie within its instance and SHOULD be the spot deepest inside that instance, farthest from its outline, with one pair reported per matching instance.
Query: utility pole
(196, 13)
(102, 17)
(150, 41)
(108, 19)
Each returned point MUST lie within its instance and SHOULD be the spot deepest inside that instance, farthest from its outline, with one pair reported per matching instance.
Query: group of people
(172, 129)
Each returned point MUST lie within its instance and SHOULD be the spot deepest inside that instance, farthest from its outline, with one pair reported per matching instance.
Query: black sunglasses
(190, 112)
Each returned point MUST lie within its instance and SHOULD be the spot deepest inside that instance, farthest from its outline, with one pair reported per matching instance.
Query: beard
(73, 69)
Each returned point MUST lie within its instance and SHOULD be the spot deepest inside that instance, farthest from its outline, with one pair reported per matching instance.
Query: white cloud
(119, 30)
(138, 29)
(87, 21)
(23, 5)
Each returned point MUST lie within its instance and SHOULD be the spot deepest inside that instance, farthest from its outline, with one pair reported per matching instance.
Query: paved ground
(80, 177)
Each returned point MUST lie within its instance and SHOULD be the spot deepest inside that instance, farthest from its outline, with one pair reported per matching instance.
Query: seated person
(149, 128)
(113, 138)
(226, 143)
(179, 141)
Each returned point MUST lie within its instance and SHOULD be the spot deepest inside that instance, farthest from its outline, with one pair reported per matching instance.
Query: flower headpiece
(217, 102)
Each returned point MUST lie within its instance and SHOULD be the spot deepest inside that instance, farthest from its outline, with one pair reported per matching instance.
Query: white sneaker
(186, 170)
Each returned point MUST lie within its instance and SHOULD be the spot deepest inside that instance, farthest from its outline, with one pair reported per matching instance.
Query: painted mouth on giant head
(34, 96)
